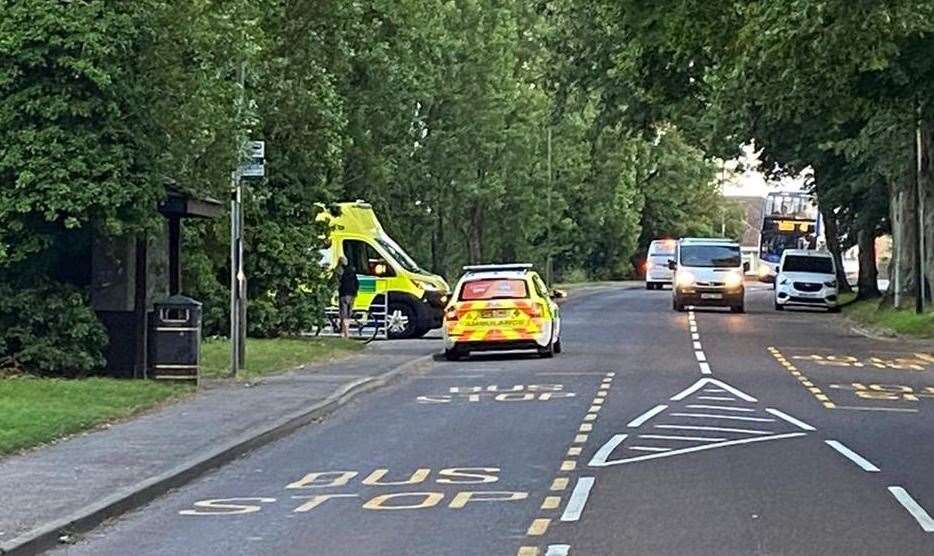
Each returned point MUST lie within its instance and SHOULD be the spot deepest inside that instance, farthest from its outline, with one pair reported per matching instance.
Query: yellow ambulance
(416, 297)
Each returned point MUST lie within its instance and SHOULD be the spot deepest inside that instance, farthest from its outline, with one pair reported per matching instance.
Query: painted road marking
(600, 460)
(915, 509)
(574, 451)
(859, 460)
(816, 392)
(689, 438)
(527, 551)
(723, 407)
(647, 415)
(697, 345)
(560, 483)
(714, 390)
(578, 499)
(705, 368)
(551, 502)
(695, 336)
(712, 381)
(539, 527)
(568, 465)
(730, 417)
(896, 409)
(558, 550)
(586, 427)
(649, 449)
(716, 398)
(784, 416)
(580, 438)
(700, 355)
(714, 429)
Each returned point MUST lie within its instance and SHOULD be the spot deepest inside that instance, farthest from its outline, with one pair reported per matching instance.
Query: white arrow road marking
(688, 438)
(600, 458)
(731, 417)
(714, 382)
(578, 499)
(649, 449)
(723, 407)
(800, 424)
(647, 415)
(859, 460)
(915, 509)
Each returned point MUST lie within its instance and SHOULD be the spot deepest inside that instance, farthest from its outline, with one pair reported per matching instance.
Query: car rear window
(799, 263)
(478, 290)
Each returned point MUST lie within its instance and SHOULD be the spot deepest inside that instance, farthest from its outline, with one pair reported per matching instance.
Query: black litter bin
(175, 339)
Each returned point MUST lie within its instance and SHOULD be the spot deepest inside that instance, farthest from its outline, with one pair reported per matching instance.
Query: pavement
(655, 432)
(53, 492)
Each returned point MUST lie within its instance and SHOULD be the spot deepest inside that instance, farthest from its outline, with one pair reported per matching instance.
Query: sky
(751, 181)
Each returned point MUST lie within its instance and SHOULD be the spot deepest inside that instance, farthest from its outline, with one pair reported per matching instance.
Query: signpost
(253, 166)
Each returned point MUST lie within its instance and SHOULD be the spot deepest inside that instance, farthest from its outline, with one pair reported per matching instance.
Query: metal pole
(548, 276)
(234, 278)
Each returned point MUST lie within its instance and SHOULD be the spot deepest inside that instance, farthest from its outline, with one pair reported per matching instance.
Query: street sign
(254, 165)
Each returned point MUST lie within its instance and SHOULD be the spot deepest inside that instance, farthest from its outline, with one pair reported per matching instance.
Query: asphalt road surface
(654, 433)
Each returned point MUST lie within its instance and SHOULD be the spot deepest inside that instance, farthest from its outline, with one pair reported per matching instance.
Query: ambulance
(416, 297)
(502, 307)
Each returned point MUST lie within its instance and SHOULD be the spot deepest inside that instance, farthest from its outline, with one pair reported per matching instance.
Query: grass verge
(274, 355)
(901, 322)
(38, 410)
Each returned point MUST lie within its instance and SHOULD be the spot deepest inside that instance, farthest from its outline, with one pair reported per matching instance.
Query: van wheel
(649, 286)
(741, 308)
(400, 321)
(677, 306)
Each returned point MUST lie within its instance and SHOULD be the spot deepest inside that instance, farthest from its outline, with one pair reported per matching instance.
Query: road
(654, 433)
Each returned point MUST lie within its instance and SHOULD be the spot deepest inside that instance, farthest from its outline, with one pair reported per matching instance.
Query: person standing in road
(346, 293)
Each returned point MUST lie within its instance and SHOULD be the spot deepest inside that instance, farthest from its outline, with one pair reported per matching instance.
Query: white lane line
(896, 409)
(915, 509)
(602, 462)
(607, 449)
(672, 437)
(698, 346)
(713, 382)
(715, 429)
(859, 460)
(714, 390)
(700, 355)
(578, 499)
(705, 368)
(695, 336)
(716, 398)
(649, 449)
(558, 550)
(798, 423)
(730, 417)
(723, 407)
(647, 415)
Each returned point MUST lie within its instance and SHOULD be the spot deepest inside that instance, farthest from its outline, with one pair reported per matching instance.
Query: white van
(807, 278)
(708, 271)
(657, 273)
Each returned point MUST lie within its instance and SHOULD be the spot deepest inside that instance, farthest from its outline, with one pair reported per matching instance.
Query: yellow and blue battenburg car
(499, 308)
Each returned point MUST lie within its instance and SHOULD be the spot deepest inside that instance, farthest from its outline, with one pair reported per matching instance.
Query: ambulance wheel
(454, 354)
(547, 352)
(400, 321)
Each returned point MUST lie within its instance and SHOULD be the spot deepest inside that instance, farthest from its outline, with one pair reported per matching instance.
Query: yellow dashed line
(598, 401)
(581, 438)
(560, 483)
(538, 527)
(586, 427)
(804, 380)
(528, 551)
(590, 417)
(574, 451)
(568, 465)
(551, 502)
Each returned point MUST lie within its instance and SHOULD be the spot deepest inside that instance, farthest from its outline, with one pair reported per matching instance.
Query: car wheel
(779, 307)
(833, 309)
(400, 321)
(557, 346)
(741, 308)
(547, 352)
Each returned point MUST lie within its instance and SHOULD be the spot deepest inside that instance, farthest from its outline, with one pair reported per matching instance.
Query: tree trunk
(475, 235)
(926, 181)
(868, 281)
(833, 245)
(904, 243)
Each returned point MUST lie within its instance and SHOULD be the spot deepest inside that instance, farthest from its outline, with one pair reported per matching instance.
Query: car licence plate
(711, 296)
(495, 313)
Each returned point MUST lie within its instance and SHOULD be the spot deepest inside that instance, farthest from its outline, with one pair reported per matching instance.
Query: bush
(49, 329)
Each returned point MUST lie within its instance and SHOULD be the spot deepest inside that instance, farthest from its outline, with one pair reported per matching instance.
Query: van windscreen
(798, 263)
(711, 256)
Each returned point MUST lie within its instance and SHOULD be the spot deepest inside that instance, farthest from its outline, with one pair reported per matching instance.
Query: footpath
(54, 493)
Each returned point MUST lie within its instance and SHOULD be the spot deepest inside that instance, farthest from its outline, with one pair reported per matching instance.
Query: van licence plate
(711, 296)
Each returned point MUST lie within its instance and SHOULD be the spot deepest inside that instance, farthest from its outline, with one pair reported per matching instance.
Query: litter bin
(175, 339)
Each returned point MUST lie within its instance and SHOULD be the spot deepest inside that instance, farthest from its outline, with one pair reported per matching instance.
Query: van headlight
(684, 279)
(423, 285)
(733, 281)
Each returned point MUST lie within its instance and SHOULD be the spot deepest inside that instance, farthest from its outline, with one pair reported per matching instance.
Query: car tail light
(538, 310)
(648, 265)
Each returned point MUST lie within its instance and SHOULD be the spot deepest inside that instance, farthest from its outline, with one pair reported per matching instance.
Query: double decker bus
(789, 221)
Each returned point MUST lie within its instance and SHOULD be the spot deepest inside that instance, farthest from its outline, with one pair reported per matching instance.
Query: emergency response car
(500, 308)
